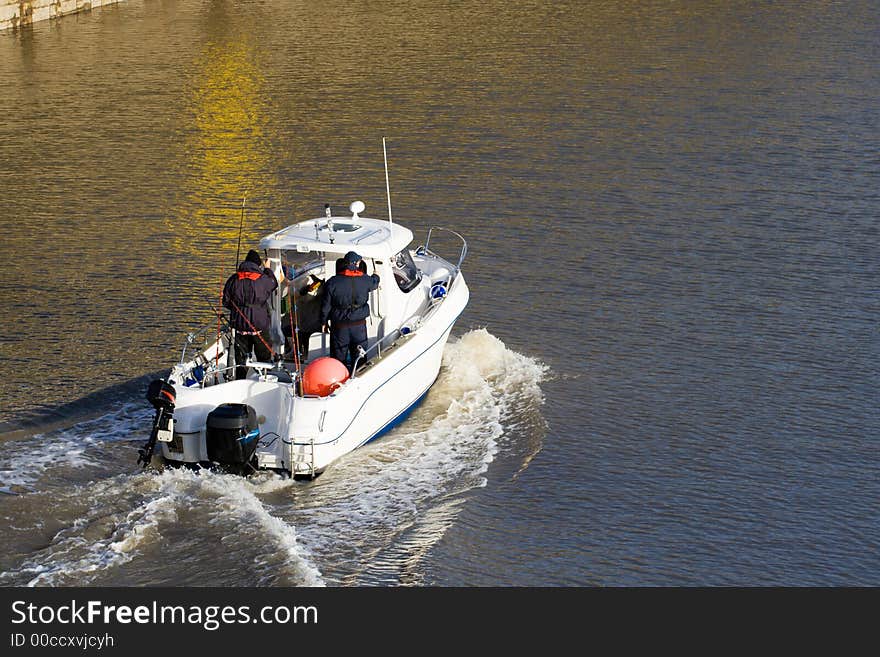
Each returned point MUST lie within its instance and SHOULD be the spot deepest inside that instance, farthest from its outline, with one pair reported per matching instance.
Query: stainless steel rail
(461, 256)
(377, 346)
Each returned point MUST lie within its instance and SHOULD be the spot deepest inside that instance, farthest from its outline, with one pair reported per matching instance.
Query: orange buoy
(323, 376)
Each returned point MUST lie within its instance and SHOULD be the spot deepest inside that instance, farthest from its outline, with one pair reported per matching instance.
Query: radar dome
(356, 208)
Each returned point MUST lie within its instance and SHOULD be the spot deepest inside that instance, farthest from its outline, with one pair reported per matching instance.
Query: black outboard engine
(232, 434)
(162, 396)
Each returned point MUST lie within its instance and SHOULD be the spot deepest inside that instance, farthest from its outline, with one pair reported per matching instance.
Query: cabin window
(298, 264)
(301, 262)
(405, 271)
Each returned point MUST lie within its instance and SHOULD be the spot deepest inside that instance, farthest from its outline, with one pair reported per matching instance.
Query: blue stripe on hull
(397, 420)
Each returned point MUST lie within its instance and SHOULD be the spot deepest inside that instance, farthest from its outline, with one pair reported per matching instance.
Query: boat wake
(82, 518)
(385, 505)
(106, 536)
(147, 516)
(40, 461)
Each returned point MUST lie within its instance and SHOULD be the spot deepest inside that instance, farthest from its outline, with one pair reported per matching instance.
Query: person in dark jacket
(345, 307)
(246, 294)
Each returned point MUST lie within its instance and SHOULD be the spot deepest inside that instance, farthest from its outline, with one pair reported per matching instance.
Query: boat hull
(302, 436)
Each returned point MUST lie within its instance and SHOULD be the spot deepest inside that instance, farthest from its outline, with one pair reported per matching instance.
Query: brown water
(667, 373)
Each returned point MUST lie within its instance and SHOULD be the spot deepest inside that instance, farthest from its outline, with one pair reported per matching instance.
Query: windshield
(406, 273)
(296, 263)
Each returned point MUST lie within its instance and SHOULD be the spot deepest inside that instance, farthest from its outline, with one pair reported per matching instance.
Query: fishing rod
(218, 313)
(220, 321)
(292, 313)
(230, 359)
(232, 355)
(240, 227)
(252, 327)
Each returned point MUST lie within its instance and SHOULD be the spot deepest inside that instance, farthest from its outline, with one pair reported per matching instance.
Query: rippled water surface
(667, 373)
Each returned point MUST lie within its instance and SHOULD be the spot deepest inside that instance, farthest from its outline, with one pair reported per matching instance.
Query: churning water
(369, 522)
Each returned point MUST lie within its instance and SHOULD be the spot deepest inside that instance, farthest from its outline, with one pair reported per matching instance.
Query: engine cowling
(232, 434)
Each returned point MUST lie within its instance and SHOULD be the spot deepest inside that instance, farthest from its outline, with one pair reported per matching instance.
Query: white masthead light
(356, 207)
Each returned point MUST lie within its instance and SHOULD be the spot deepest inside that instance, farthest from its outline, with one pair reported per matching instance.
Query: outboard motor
(232, 434)
(162, 396)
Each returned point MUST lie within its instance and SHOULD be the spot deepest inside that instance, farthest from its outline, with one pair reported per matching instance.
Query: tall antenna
(387, 187)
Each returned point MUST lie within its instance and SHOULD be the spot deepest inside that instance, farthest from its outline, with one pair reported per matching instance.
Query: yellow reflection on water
(227, 153)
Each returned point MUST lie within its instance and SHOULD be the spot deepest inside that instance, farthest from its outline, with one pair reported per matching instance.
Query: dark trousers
(243, 346)
(345, 340)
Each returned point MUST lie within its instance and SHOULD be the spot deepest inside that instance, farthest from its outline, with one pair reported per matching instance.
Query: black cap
(254, 257)
(352, 258)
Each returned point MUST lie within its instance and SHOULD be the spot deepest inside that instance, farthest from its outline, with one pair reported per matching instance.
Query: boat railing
(398, 333)
(427, 248)
(196, 368)
(190, 340)
(392, 337)
(377, 347)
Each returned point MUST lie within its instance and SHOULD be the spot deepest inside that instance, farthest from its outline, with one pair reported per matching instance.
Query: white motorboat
(296, 415)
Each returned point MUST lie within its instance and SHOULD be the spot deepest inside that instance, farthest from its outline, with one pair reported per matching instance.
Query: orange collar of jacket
(352, 272)
(250, 275)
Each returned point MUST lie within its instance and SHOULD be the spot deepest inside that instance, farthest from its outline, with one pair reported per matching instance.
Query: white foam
(398, 494)
(24, 462)
(371, 497)
(481, 357)
(105, 538)
(238, 496)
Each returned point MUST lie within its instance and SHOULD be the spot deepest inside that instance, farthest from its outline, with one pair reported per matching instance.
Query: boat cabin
(310, 252)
